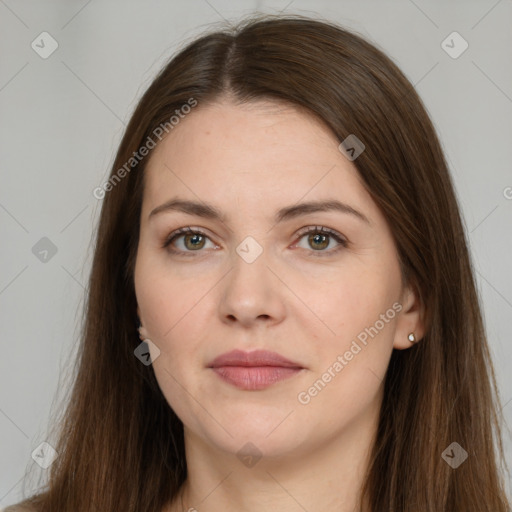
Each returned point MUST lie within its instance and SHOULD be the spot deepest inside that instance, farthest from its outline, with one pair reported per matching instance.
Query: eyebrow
(209, 211)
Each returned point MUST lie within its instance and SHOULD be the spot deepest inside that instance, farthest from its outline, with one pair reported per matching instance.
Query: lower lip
(254, 377)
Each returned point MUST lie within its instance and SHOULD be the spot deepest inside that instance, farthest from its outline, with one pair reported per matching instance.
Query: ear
(410, 320)
(143, 333)
(138, 316)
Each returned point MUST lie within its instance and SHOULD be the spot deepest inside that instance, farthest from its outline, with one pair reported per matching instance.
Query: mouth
(255, 370)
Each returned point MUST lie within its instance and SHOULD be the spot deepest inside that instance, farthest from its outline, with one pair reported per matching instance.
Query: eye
(193, 239)
(319, 237)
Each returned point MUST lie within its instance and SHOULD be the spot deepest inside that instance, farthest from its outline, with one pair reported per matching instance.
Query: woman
(282, 313)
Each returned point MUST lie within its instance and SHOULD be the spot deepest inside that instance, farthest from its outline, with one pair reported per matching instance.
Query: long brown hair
(120, 444)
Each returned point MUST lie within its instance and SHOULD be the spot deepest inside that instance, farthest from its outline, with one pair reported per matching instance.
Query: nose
(252, 291)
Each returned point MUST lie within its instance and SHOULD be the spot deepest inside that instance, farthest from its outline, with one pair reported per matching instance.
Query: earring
(411, 337)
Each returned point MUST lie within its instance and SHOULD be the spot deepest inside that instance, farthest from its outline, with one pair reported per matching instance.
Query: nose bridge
(250, 264)
(250, 287)
(251, 249)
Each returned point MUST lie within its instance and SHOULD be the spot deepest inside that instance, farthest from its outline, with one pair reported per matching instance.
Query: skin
(249, 161)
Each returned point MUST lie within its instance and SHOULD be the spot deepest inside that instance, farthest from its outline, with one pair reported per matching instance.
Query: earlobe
(408, 342)
(410, 324)
(143, 333)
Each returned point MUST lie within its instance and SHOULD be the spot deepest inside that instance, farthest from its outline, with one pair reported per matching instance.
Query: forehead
(257, 129)
(250, 155)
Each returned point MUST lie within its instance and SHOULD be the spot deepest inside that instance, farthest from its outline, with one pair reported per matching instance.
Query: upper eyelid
(316, 227)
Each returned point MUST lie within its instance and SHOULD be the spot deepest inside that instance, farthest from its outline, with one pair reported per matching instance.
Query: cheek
(173, 307)
(350, 366)
(348, 303)
(180, 370)
(167, 299)
(358, 313)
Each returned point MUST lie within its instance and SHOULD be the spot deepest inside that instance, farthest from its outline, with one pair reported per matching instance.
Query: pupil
(195, 239)
(317, 239)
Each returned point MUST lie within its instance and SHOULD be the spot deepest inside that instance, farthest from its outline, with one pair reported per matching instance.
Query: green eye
(320, 237)
(194, 240)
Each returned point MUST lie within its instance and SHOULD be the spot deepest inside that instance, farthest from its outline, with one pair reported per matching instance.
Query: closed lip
(254, 358)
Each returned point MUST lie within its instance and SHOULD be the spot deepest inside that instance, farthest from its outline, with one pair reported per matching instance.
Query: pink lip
(253, 370)
(254, 358)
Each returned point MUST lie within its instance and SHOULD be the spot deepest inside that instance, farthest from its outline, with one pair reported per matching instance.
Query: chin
(248, 433)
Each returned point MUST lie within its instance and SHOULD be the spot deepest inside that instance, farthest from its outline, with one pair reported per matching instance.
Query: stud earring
(411, 337)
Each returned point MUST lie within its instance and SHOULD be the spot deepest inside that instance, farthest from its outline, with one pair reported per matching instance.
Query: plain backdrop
(63, 115)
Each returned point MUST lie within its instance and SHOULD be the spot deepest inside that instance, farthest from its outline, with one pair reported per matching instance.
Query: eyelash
(310, 229)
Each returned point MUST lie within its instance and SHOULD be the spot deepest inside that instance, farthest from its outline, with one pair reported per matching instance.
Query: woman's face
(331, 303)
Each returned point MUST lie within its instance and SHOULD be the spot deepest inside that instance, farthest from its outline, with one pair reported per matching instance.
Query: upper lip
(254, 358)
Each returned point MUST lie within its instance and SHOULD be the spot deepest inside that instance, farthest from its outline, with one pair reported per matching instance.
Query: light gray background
(62, 119)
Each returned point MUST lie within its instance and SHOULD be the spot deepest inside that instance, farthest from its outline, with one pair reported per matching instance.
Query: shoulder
(18, 508)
